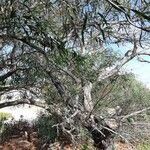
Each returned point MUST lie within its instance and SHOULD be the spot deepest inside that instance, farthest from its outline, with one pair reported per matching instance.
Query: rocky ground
(22, 143)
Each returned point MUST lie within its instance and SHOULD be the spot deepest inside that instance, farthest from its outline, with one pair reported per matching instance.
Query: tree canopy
(59, 54)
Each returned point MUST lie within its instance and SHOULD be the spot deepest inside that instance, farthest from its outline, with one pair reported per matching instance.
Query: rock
(111, 123)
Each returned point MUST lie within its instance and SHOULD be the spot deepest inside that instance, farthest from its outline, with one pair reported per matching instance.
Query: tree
(56, 52)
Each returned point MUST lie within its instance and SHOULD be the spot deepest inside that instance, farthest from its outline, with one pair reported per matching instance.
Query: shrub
(144, 146)
(4, 116)
(44, 124)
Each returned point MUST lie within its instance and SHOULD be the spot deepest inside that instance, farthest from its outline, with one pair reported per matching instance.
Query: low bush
(144, 145)
(4, 116)
(44, 124)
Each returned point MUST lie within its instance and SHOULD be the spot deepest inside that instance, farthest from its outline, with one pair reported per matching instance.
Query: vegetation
(4, 116)
(59, 55)
(144, 146)
(45, 127)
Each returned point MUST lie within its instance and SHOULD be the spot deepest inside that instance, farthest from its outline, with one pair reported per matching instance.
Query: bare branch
(20, 102)
(135, 113)
(88, 103)
(120, 8)
(110, 71)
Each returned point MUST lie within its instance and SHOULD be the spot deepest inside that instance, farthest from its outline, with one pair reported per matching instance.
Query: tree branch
(134, 113)
(8, 74)
(110, 71)
(88, 103)
(120, 8)
(20, 102)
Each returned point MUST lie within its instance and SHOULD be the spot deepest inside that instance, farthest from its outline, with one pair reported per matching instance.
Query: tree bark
(88, 103)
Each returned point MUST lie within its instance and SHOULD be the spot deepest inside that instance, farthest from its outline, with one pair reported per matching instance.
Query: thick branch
(88, 104)
(110, 71)
(135, 113)
(8, 74)
(19, 102)
(58, 85)
(52, 109)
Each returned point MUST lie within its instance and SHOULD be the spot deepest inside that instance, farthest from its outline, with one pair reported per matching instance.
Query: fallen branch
(20, 102)
(134, 113)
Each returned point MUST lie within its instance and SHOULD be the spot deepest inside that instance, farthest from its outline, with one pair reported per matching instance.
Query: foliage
(123, 90)
(46, 129)
(144, 146)
(85, 147)
(4, 116)
(130, 94)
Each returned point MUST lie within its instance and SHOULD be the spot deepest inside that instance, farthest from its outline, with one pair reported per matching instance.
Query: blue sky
(140, 69)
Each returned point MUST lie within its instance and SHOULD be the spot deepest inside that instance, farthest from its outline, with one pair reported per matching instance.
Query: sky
(141, 70)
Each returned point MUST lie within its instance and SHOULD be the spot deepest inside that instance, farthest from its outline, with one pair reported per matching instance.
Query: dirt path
(21, 144)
